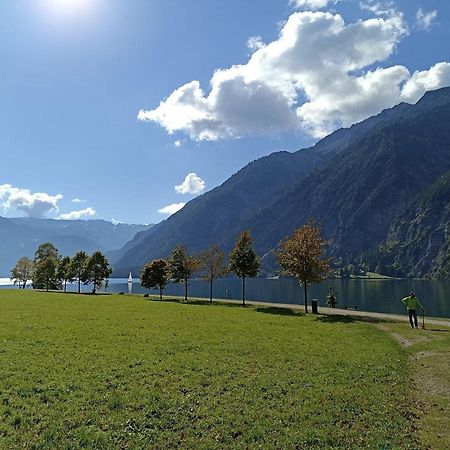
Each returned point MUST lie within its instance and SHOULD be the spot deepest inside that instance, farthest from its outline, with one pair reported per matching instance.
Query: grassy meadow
(124, 372)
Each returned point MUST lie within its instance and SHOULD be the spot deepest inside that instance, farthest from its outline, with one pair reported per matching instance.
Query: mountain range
(379, 189)
(21, 237)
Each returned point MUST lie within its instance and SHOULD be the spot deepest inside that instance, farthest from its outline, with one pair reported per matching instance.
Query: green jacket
(412, 303)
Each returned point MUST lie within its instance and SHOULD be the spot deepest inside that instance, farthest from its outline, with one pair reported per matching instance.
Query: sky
(125, 110)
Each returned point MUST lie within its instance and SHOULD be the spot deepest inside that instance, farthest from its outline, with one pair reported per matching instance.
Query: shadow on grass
(439, 330)
(97, 294)
(200, 302)
(338, 318)
(278, 311)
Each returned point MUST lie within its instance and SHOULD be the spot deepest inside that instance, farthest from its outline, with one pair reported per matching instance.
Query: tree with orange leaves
(301, 256)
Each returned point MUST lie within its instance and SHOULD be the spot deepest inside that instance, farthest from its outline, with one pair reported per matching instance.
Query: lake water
(366, 295)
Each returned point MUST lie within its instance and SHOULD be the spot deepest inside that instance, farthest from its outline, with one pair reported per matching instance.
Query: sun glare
(70, 7)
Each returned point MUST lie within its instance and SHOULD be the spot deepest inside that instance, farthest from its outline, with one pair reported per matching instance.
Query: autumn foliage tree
(181, 267)
(22, 272)
(301, 256)
(212, 262)
(243, 260)
(154, 275)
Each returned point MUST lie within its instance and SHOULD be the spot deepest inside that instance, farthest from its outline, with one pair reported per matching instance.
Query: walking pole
(423, 319)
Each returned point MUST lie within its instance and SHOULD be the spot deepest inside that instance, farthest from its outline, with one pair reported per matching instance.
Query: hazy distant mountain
(21, 236)
(356, 183)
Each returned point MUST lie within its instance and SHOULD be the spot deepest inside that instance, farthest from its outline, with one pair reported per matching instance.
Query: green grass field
(124, 372)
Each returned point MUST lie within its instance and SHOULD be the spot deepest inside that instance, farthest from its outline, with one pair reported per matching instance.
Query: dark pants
(412, 313)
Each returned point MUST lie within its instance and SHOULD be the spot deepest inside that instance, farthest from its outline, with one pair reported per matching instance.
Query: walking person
(412, 303)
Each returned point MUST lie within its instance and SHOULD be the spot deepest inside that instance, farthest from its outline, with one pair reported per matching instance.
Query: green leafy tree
(78, 265)
(46, 261)
(212, 263)
(97, 271)
(243, 260)
(182, 267)
(65, 271)
(154, 275)
(301, 256)
(22, 272)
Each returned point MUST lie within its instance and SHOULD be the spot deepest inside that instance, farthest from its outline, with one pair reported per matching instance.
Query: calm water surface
(367, 295)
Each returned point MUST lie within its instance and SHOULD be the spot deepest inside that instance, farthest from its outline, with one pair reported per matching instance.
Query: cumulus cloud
(80, 214)
(311, 4)
(178, 143)
(171, 209)
(36, 204)
(424, 19)
(192, 184)
(320, 74)
(426, 80)
(78, 200)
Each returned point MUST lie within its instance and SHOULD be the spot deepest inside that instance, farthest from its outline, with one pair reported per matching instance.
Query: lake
(367, 295)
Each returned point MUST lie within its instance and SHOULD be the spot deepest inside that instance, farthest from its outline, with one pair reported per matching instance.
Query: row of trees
(300, 255)
(180, 267)
(49, 270)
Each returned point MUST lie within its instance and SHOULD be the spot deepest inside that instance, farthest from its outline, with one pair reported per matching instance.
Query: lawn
(429, 366)
(118, 371)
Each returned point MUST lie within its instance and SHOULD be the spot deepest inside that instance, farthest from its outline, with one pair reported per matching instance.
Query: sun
(70, 7)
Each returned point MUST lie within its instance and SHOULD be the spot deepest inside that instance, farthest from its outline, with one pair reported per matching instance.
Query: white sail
(130, 283)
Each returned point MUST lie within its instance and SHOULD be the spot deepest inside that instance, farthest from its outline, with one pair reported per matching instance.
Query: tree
(301, 256)
(65, 271)
(212, 262)
(243, 260)
(181, 267)
(78, 264)
(46, 261)
(154, 275)
(97, 270)
(22, 272)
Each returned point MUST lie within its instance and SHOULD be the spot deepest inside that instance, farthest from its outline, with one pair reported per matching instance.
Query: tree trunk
(160, 293)
(185, 289)
(65, 285)
(210, 292)
(243, 291)
(24, 284)
(305, 288)
(79, 284)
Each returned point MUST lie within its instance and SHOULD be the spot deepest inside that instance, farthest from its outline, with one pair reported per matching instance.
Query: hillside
(418, 242)
(355, 183)
(21, 236)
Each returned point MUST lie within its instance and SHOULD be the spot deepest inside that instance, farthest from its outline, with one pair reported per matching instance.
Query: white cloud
(171, 209)
(78, 200)
(311, 4)
(36, 204)
(192, 184)
(75, 215)
(424, 19)
(426, 80)
(178, 143)
(320, 74)
(255, 43)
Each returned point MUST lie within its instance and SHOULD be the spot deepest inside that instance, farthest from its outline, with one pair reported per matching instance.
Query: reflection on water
(367, 295)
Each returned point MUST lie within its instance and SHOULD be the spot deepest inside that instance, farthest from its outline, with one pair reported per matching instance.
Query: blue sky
(114, 103)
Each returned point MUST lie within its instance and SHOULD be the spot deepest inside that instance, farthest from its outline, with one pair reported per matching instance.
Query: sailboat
(130, 283)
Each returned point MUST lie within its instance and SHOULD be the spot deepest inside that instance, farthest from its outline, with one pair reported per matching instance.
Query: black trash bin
(315, 309)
